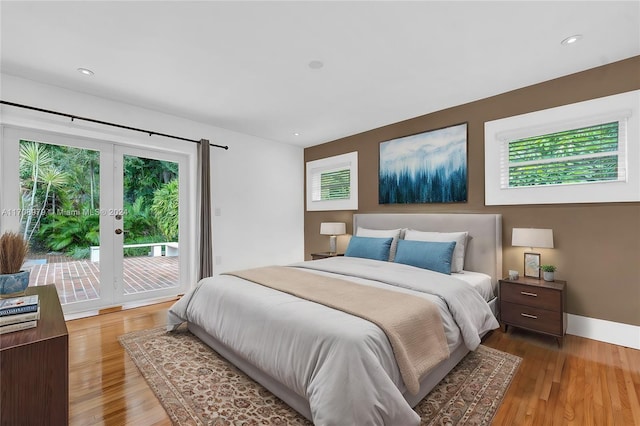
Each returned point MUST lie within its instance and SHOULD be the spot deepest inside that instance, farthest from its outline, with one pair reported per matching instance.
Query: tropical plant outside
(60, 209)
(165, 209)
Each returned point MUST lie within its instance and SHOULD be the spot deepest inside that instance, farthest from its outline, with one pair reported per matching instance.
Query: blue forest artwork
(429, 167)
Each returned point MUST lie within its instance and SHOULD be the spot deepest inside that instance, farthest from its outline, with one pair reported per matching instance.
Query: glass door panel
(59, 216)
(150, 252)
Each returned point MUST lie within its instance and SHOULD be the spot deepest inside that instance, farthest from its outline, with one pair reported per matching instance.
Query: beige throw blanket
(411, 323)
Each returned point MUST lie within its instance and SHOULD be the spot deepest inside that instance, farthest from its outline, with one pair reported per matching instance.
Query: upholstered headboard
(484, 247)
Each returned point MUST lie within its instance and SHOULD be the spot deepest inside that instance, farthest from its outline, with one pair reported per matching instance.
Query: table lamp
(532, 237)
(333, 229)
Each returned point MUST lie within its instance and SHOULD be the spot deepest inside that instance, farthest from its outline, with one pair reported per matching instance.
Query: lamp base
(332, 244)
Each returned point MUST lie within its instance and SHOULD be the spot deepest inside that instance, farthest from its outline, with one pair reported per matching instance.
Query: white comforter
(343, 365)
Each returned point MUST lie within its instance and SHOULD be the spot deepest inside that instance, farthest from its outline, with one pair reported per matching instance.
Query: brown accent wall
(597, 245)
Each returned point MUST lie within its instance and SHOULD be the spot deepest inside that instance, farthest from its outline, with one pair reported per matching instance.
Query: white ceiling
(244, 65)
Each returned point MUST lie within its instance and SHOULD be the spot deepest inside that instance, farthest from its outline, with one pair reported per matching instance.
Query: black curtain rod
(106, 123)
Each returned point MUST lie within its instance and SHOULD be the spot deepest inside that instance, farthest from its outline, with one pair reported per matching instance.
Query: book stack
(19, 313)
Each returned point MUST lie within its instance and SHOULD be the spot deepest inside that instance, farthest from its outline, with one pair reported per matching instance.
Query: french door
(103, 220)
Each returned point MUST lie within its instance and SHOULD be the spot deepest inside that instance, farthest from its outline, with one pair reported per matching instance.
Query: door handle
(118, 231)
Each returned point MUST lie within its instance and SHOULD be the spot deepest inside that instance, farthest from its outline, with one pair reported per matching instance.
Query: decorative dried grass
(13, 252)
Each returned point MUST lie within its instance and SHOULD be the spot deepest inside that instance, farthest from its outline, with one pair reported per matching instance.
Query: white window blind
(589, 154)
(332, 184)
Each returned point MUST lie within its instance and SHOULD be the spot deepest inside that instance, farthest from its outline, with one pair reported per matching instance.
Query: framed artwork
(429, 167)
(532, 265)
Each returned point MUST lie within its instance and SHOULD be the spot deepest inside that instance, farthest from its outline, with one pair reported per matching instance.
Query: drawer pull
(526, 293)
(529, 316)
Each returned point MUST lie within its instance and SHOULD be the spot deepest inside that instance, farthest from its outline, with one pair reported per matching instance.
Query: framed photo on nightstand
(532, 265)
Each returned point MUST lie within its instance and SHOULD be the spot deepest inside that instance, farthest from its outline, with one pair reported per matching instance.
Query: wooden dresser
(34, 368)
(535, 305)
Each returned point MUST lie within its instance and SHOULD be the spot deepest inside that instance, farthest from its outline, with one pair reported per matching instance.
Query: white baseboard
(604, 331)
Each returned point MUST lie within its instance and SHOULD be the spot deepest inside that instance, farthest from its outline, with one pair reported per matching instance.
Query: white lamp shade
(333, 228)
(532, 237)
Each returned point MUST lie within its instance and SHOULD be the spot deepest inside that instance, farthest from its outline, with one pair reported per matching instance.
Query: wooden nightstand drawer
(534, 304)
(533, 318)
(539, 297)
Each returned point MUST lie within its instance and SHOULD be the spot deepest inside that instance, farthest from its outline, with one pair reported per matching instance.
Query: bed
(337, 368)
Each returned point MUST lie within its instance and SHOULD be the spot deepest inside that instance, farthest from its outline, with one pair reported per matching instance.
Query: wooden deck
(78, 280)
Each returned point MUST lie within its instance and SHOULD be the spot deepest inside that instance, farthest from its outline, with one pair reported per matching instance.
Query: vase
(547, 276)
(14, 284)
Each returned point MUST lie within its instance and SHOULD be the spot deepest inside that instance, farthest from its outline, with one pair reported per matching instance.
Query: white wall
(257, 185)
(258, 195)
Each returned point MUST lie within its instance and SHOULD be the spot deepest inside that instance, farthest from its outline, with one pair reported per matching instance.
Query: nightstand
(34, 367)
(534, 304)
(324, 255)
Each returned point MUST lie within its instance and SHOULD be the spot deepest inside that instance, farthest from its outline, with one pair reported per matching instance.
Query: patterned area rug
(196, 386)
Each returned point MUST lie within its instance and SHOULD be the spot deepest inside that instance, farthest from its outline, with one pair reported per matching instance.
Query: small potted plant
(13, 252)
(548, 272)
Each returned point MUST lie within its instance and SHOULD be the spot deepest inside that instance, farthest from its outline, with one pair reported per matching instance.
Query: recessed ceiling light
(296, 134)
(572, 39)
(85, 71)
(316, 65)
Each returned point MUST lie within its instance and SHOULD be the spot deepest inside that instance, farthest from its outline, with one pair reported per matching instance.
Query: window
(584, 155)
(578, 153)
(332, 183)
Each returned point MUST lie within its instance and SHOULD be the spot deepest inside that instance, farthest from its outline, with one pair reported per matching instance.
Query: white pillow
(457, 260)
(382, 233)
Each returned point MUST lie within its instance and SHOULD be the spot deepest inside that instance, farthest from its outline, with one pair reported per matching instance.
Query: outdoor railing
(170, 249)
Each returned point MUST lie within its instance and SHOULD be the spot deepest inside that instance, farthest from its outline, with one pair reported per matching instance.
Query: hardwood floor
(105, 386)
(583, 383)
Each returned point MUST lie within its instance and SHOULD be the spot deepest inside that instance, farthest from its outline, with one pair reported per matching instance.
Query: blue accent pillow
(369, 248)
(432, 255)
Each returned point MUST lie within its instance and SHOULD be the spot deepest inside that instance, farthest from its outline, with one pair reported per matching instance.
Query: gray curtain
(205, 268)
